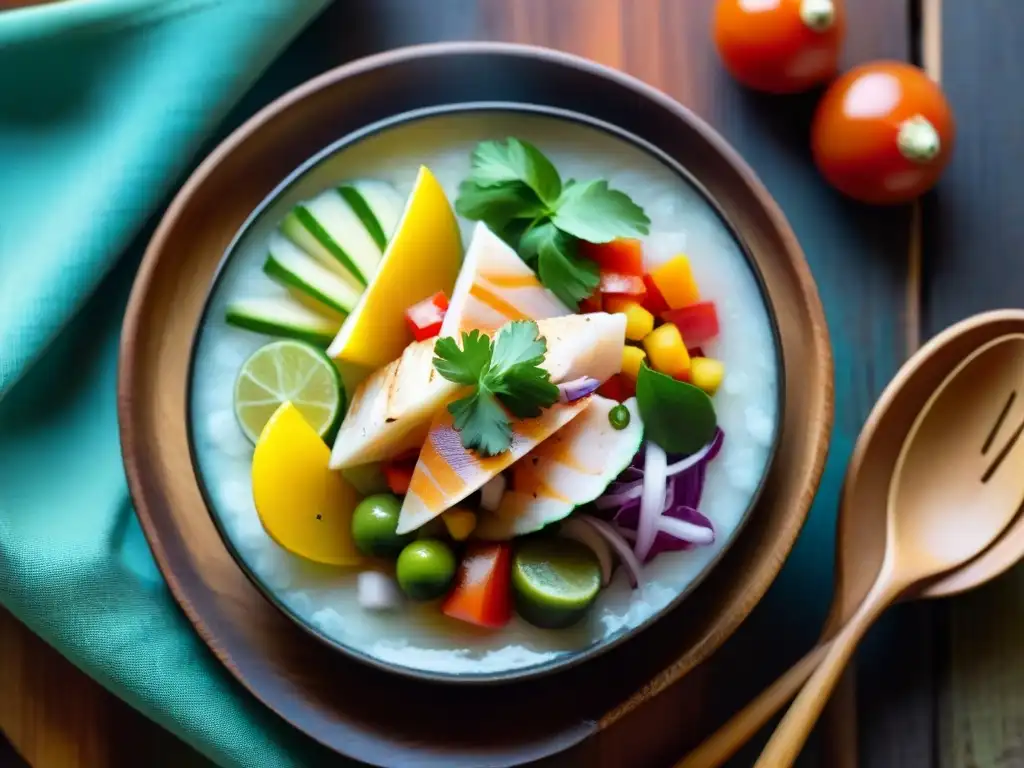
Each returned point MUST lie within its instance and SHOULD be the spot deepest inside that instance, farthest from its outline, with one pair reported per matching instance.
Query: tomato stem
(819, 15)
(918, 140)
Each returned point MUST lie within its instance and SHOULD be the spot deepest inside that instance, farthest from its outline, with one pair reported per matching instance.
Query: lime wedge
(555, 580)
(289, 371)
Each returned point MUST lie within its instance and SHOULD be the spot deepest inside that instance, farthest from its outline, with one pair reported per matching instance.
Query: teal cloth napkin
(104, 104)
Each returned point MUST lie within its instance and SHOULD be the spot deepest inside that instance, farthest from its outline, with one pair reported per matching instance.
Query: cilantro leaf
(482, 423)
(497, 163)
(593, 212)
(568, 276)
(505, 374)
(466, 365)
(497, 205)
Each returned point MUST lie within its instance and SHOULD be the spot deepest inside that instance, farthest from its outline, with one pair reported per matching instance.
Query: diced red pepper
(424, 318)
(653, 301)
(624, 255)
(592, 303)
(482, 585)
(696, 351)
(698, 323)
(398, 475)
(618, 387)
(619, 283)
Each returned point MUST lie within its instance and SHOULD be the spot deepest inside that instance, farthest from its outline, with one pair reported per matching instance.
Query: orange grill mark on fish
(560, 450)
(495, 302)
(512, 281)
(446, 478)
(527, 480)
(423, 488)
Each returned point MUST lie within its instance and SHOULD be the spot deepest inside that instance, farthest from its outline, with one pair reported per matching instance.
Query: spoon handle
(744, 725)
(784, 746)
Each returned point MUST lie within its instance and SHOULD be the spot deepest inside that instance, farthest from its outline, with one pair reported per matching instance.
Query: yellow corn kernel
(632, 358)
(639, 322)
(459, 522)
(666, 351)
(707, 373)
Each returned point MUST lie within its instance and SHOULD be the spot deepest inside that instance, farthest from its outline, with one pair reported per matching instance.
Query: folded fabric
(104, 105)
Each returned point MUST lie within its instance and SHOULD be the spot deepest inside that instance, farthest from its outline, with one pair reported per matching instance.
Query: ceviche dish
(480, 390)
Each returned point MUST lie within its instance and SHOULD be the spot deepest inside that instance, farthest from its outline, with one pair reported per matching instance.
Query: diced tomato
(618, 283)
(624, 255)
(653, 301)
(619, 387)
(698, 323)
(696, 352)
(592, 303)
(398, 475)
(482, 584)
(424, 318)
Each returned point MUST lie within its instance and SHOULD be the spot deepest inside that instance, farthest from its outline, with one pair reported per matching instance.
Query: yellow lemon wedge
(422, 258)
(303, 505)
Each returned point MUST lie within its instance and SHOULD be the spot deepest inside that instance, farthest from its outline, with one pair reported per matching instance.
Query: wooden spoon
(863, 505)
(958, 483)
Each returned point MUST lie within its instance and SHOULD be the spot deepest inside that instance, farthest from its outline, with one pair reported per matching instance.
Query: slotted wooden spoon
(862, 520)
(959, 481)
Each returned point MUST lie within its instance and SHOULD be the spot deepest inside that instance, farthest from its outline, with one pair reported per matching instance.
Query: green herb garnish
(505, 374)
(518, 193)
(677, 416)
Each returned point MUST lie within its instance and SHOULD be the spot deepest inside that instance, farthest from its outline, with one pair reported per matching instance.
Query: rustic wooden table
(938, 684)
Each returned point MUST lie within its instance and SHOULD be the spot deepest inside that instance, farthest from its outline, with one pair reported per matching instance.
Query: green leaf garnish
(597, 214)
(505, 373)
(518, 193)
(677, 416)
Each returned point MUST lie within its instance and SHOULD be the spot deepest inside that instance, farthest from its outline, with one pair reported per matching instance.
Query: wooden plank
(973, 231)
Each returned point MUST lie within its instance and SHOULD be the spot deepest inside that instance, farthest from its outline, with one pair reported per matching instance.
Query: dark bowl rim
(565, 660)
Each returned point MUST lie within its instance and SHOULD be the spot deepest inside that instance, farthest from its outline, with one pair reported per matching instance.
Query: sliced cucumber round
(283, 317)
(378, 205)
(294, 269)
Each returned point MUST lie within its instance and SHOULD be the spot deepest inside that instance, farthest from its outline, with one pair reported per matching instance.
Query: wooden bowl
(346, 705)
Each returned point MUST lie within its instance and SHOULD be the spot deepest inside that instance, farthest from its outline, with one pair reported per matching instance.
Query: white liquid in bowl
(419, 637)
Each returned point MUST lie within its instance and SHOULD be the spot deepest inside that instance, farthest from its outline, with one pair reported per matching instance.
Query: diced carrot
(624, 255)
(482, 585)
(698, 323)
(675, 281)
(653, 301)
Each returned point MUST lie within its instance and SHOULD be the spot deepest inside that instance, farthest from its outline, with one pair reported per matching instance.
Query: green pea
(619, 416)
(374, 522)
(426, 569)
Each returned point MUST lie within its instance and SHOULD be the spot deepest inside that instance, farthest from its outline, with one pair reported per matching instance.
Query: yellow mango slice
(422, 258)
(446, 473)
(303, 505)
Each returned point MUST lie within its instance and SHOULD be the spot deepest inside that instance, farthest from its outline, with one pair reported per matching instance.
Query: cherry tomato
(780, 46)
(883, 133)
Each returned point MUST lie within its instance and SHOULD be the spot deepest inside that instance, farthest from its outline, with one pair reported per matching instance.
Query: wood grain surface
(973, 234)
(858, 255)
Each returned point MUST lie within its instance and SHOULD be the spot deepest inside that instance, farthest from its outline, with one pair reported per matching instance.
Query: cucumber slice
(292, 268)
(336, 228)
(378, 205)
(282, 317)
(295, 230)
(572, 467)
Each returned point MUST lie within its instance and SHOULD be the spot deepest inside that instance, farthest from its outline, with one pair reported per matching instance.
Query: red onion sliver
(633, 568)
(614, 500)
(570, 391)
(580, 529)
(695, 534)
(652, 500)
(684, 464)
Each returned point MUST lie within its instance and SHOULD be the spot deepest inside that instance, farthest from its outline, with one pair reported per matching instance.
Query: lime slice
(555, 581)
(289, 371)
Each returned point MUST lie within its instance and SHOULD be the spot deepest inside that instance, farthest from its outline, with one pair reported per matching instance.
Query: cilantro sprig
(518, 193)
(506, 376)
